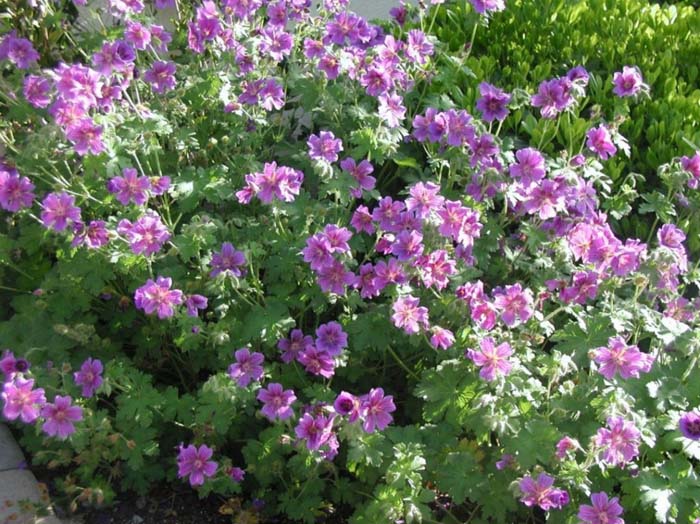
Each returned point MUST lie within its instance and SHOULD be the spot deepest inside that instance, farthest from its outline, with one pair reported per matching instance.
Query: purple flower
(620, 358)
(689, 424)
(516, 305)
(485, 6)
(619, 442)
(20, 51)
(89, 377)
(578, 74)
(236, 474)
(628, 82)
(277, 402)
(60, 417)
(315, 430)
(317, 362)
(137, 35)
(408, 315)
(529, 167)
(627, 257)
(408, 245)
(541, 492)
(564, 446)
(334, 278)
(361, 173)
(553, 96)
(418, 48)
(161, 76)
(493, 102)
(86, 137)
(145, 236)
(16, 192)
(584, 287)
(94, 236)
(271, 95)
(21, 400)
(59, 210)
(157, 297)
(194, 462)
(130, 187)
(194, 303)
(275, 42)
(391, 109)
(10, 366)
(670, 236)
(331, 338)
(691, 165)
(376, 409)
(247, 368)
(424, 199)
(294, 345)
(37, 90)
(228, 260)
(280, 182)
(602, 510)
(492, 359)
(507, 461)
(114, 56)
(348, 405)
(546, 198)
(362, 220)
(441, 338)
(324, 146)
(599, 141)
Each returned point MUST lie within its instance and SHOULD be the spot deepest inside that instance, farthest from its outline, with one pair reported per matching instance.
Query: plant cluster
(327, 266)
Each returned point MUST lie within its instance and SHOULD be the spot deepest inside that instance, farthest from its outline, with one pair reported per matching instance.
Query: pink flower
(620, 358)
(628, 82)
(130, 187)
(541, 492)
(376, 409)
(145, 236)
(689, 424)
(59, 210)
(391, 109)
(317, 362)
(599, 141)
(492, 359)
(157, 297)
(16, 192)
(408, 315)
(37, 90)
(564, 446)
(493, 102)
(602, 510)
(619, 442)
(347, 404)
(86, 137)
(89, 376)
(315, 430)
(294, 345)
(21, 400)
(515, 305)
(161, 76)
(441, 338)
(248, 367)
(194, 462)
(277, 402)
(324, 146)
(60, 417)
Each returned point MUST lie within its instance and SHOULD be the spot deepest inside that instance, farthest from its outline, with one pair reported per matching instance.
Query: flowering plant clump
(300, 257)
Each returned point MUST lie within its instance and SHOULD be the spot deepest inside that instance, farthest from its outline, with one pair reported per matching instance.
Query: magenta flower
(529, 167)
(619, 442)
(515, 305)
(620, 358)
(408, 315)
(330, 337)
(334, 278)
(86, 137)
(565, 445)
(248, 367)
(670, 236)
(493, 102)
(20, 51)
(21, 400)
(507, 461)
(194, 303)
(94, 236)
(602, 510)
(628, 82)
(137, 35)
(441, 338)
(157, 297)
(362, 220)
(16, 192)
(408, 245)
(145, 236)
(194, 462)
(228, 260)
(317, 362)
(59, 210)
(324, 146)
(277, 402)
(130, 187)
(275, 42)
(315, 430)
(348, 405)
(628, 257)
(376, 409)
(237, 474)
(89, 377)
(296, 343)
(486, 6)
(361, 173)
(492, 359)
(553, 96)
(691, 165)
(391, 109)
(281, 183)
(584, 287)
(689, 424)
(424, 199)
(541, 493)
(10, 366)
(60, 417)
(161, 76)
(599, 141)
(36, 90)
